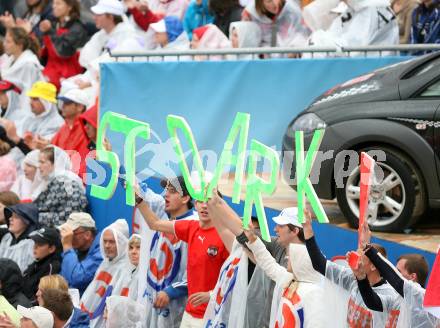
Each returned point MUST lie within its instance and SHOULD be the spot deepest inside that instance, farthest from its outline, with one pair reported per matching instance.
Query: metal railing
(281, 52)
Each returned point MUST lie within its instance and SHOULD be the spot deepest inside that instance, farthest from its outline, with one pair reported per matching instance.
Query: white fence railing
(296, 52)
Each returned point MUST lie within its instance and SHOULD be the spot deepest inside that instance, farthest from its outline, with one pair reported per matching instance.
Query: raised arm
(153, 221)
(319, 261)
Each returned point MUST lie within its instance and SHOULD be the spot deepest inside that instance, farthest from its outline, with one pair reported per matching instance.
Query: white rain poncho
(298, 299)
(163, 262)
(212, 39)
(286, 30)
(24, 70)
(360, 23)
(124, 312)
(317, 14)
(21, 253)
(111, 278)
(47, 124)
(249, 36)
(342, 279)
(123, 37)
(62, 170)
(412, 313)
(134, 282)
(14, 111)
(227, 305)
(24, 187)
(169, 7)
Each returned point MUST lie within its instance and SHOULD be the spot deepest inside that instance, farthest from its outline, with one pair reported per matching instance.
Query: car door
(432, 93)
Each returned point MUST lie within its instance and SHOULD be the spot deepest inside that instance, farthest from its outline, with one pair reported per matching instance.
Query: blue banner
(209, 94)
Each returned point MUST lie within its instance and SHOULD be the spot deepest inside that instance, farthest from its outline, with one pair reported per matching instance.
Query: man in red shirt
(71, 136)
(206, 254)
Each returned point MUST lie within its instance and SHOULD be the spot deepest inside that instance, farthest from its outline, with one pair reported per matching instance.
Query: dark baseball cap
(44, 236)
(178, 183)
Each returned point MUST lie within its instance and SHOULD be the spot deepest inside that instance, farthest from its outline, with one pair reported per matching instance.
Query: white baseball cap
(41, 317)
(113, 7)
(80, 219)
(75, 95)
(288, 216)
(159, 27)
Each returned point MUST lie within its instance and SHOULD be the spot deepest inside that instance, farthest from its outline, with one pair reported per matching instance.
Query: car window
(432, 64)
(432, 91)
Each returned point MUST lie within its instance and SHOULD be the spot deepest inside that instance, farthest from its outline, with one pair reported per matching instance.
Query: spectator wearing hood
(134, 250)
(89, 120)
(225, 12)
(62, 191)
(7, 198)
(62, 41)
(169, 34)
(81, 251)
(44, 121)
(11, 283)
(113, 34)
(10, 107)
(143, 16)
(21, 219)
(71, 136)
(426, 22)
(245, 35)
(209, 37)
(297, 293)
(29, 180)
(113, 275)
(280, 22)
(47, 259)
(197, 15)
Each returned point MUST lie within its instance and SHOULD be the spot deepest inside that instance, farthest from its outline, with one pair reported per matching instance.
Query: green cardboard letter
(255, 186)
(303, 168)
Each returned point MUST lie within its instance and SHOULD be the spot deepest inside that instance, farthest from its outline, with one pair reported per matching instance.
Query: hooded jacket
(20, 249)
(285, 29)
(51, 264)
(61, 193)
(90, 116)
(23, 187)
(14, 112)
(26, 69)
(297, 292)
(46, 124)
(12, 284)
(196, 16)
(112, 277)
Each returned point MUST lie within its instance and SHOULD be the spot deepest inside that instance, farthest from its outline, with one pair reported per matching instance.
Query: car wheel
(397, 194)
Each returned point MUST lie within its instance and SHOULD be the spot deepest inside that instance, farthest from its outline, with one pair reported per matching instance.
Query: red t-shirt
(206, 254)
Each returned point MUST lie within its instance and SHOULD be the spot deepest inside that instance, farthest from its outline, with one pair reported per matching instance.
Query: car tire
(397, 208)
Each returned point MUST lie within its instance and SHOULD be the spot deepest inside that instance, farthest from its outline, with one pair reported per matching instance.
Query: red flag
(431, 302)
(367, 170)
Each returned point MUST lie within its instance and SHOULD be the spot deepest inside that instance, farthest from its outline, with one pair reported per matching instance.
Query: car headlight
(308, 123)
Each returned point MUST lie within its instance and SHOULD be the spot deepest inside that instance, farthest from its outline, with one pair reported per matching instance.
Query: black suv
(392, 113)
